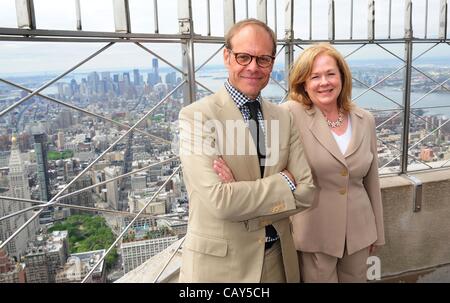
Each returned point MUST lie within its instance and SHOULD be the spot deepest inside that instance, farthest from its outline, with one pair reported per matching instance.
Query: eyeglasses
(245, 59)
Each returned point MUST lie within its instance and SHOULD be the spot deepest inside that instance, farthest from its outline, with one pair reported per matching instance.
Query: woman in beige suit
(335, 238)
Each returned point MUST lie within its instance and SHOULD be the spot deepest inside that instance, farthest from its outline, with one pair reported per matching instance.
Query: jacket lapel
(228, 111)
(322, 133)
(356, 119)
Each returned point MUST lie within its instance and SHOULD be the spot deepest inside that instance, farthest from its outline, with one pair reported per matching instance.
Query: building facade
(134, 253)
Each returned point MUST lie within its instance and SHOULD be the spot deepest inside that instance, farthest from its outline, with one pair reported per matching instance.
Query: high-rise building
(112, 188)
(40, 148)
(153, 77)
(18, 188)
(126, 78)
(136, 77)
(47, 257)
(155, 66)
(60, 142)
(171, 79)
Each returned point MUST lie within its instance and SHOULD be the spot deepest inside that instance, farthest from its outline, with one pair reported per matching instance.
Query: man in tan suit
(240, 231)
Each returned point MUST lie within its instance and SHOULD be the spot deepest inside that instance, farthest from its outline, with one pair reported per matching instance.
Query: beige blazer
(225, 237)
(348, 199)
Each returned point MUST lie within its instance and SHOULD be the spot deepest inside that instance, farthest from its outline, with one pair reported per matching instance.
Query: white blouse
(344, 140)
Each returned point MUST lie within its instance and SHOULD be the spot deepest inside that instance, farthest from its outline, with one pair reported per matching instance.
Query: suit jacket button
(344, 173)
(342, 191)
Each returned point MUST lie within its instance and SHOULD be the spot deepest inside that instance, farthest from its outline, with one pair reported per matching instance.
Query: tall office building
(136, 77)
(40, 148)
(112, 188)
(155, 66)
(18, 188)
(153, 77)
(60, 141)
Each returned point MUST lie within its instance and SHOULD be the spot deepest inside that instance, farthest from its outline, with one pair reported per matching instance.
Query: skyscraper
(40, 148)
(136, 77)
(155, 66)
(60, 142)
(153, 77)
(18, 188)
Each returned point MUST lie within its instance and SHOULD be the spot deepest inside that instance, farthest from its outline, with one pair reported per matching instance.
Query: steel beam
(121, 16)
(25, 14)
(187, 49)
(288, 37)
(229, 15)
(371, 21)
(443, 10)
(261, 10)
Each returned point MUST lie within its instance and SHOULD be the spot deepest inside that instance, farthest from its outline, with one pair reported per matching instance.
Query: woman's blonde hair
(302, 69)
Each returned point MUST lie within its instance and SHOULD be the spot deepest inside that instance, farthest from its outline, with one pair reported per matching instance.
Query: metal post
(331, 20)
(261, 10)
(25, 14)
(208, 17)
(288, 37)
(426, 18)
(187, 49)
(407, 89)
(155, 15)
(351, 19)
(78, 14)
(275, 21)
(310, 19)
(371, 21)
(229, 15)
(246, 9)
(122, 16)
(443, 20)
(408, 19)
(390, 19)
(417, 191)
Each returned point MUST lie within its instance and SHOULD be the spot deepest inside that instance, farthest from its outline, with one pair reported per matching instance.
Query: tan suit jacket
(348, 199)
(226, 235)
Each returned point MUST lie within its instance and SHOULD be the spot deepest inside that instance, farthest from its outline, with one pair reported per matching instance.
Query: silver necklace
(338, 122)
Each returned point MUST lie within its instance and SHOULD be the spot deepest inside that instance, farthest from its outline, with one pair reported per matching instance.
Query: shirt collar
(239, 98)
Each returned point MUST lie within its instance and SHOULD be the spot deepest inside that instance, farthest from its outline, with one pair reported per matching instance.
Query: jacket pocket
(206, 245)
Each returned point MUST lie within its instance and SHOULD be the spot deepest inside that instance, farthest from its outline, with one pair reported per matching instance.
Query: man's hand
(223, 171)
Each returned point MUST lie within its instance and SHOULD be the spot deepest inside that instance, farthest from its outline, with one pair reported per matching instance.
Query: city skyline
(98, 16)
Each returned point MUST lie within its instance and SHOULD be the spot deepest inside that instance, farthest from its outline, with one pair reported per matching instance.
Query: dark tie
(258, 137)
(257, 132)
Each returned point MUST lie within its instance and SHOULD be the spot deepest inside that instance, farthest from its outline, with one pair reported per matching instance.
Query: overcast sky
(98, 16)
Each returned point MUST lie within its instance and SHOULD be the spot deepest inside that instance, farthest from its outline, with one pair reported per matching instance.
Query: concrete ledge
(415, 240)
